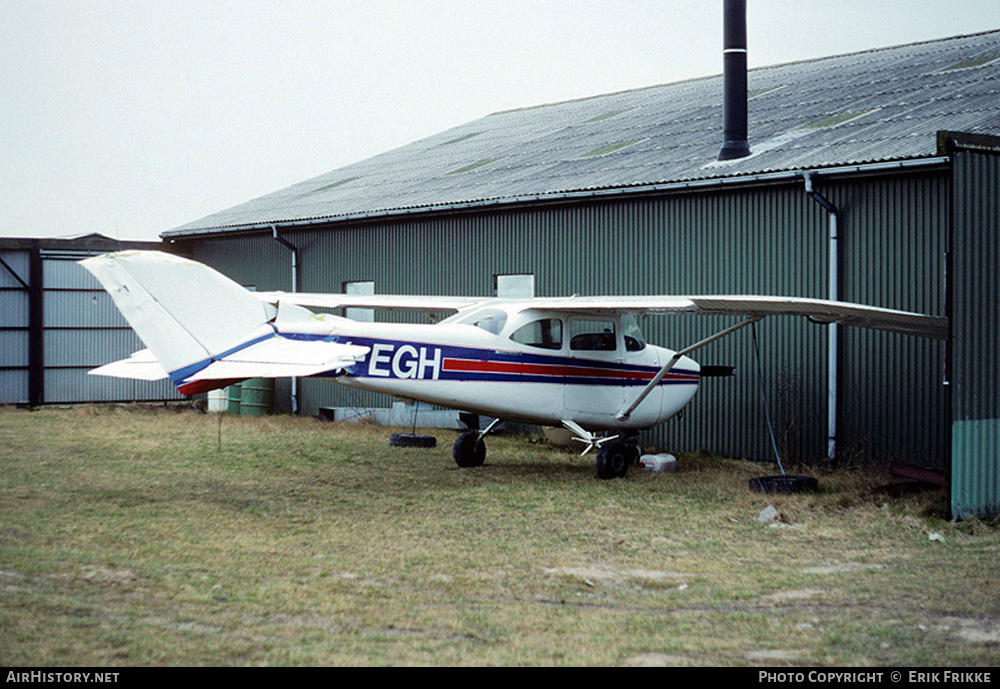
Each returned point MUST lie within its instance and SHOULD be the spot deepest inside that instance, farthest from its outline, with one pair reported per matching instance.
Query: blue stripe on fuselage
(392, 359)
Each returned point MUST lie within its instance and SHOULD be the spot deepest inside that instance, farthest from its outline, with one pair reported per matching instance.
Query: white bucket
(218, 400)
(661, 462)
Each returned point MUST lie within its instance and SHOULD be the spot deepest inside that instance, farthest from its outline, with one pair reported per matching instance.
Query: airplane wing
(425, 304)
(816, 310)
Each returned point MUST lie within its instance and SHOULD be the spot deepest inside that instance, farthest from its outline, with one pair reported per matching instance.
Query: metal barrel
(234, 398)
(257, 397)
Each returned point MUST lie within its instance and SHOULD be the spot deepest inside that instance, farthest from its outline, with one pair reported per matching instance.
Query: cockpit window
(490, 320)
(592, 335)
(634, 341)
(545, 333)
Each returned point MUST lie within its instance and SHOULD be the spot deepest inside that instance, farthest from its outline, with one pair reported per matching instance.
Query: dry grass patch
(146, 536)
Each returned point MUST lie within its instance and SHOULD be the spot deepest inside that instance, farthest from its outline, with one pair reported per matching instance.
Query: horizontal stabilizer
(280, 357)
(142, 365)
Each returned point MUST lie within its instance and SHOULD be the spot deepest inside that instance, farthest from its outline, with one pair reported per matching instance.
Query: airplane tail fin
(204, 330)
(183, 311)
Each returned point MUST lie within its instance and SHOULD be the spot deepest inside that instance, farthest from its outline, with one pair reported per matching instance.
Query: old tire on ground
(784, 484)
(469, 450)
(412, 440)
(613, 460)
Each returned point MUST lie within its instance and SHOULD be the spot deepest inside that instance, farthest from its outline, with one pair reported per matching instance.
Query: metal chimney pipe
(734, 78)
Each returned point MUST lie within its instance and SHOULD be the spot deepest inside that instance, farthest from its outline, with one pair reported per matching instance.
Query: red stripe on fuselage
(555, 370)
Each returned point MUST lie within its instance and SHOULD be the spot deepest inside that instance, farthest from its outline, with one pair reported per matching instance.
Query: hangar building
(873, 176)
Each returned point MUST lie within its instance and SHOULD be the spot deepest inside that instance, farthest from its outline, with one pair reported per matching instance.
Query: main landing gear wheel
(469, 450)
(614, 459)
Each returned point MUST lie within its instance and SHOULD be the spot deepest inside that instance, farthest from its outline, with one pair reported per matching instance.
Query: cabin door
(593, 383)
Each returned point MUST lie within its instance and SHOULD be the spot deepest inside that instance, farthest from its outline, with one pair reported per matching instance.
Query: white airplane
(578, 362)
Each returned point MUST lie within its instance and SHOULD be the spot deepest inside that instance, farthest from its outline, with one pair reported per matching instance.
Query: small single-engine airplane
(579, 362)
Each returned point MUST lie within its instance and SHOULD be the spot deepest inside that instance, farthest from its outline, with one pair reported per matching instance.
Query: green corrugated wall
(975, 474)
(764, 239)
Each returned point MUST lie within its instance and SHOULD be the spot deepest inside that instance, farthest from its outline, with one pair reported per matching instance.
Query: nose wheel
(614, 458)
(615, 454)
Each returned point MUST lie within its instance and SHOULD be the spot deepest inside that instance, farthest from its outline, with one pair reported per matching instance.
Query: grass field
(132, 536)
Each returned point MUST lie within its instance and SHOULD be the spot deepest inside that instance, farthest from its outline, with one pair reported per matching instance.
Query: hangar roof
(871, 106)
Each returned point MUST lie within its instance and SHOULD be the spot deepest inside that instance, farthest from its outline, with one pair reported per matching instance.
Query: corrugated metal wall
(73, 325)
(15, 326)
(893, 243)
(83, 329)
(761, 240)
(975, 475)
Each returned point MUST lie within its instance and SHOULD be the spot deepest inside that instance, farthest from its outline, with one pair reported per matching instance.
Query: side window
(592, 335)
(545, 333)
(358, 288)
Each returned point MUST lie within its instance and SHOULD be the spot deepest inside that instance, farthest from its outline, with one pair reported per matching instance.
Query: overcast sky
(131, 117)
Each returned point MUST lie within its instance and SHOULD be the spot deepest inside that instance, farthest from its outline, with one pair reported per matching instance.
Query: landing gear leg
(469, 449)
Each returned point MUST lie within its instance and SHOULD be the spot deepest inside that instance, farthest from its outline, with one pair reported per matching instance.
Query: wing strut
(627, 411)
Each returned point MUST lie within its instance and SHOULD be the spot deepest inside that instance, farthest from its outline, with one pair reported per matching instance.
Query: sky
(132, 117)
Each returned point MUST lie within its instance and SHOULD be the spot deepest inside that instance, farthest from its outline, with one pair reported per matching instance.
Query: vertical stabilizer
(183, 311)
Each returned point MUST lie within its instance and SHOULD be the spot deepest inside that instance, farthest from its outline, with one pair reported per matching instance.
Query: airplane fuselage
(461, 364)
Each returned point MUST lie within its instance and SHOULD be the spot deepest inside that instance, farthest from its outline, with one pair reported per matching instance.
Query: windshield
(634, 341)
(490, 320)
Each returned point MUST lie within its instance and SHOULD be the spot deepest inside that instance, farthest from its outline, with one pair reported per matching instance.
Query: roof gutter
(295, 288)
(584, 194)
(295, 256)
